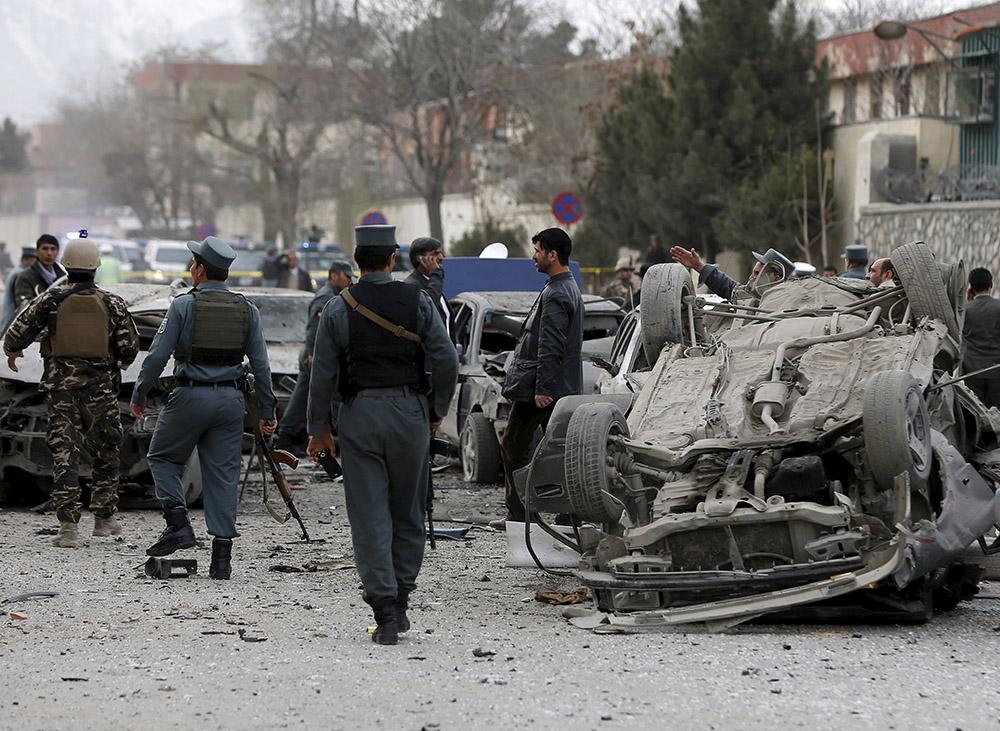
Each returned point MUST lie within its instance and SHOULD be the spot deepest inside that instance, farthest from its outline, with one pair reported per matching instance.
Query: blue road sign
(374, 218)
(567, 208)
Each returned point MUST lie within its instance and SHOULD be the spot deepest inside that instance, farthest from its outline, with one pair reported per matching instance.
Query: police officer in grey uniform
(208, 330)
(384, 419)
(856, 262)
(293, 421)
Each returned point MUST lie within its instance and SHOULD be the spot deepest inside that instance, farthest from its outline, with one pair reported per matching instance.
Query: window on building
(850, 101)
(901, 89)
(932, 91)
(875, 96)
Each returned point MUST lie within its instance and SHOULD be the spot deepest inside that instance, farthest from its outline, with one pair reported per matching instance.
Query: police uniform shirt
(177, 332)
(333, 339)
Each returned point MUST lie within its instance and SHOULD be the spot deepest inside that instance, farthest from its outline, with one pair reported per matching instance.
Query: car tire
(585, 463)
(480, 449)
(664, 314)
(924, 284)
(191, 480)
(897, 429)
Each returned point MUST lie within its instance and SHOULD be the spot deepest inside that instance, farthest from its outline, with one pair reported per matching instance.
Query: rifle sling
(398, 330)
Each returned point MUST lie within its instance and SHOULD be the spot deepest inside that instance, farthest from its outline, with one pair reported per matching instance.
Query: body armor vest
(221, 327)
(376, 358)
(80, 326)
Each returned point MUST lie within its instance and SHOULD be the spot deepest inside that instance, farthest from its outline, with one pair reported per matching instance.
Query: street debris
(18, 615)
(76, 680)
(47, 531)
(493, 680)
(559, 597)
(170, 568)
(247, 637)
(311, 566)
(480, 652)
(30, 595)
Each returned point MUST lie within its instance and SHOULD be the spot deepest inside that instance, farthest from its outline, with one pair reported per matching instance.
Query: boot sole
(166, 552)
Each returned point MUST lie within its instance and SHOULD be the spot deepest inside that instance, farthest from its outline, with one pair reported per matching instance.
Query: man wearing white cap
(626, 285)
(772, 264)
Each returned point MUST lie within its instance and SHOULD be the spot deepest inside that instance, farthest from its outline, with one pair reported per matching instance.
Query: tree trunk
(433, 201)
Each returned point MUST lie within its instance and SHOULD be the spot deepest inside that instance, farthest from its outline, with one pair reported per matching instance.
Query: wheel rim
(916, 430)
(468, 455)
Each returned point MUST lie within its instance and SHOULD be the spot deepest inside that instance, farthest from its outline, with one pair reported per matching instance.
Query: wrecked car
(25, 460)
(487, 327)
(804, 448)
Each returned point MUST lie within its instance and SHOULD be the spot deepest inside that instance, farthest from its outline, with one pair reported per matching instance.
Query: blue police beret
(214, 251)
(375, 236)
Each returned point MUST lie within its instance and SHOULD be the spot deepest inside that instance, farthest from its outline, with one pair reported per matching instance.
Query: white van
(167, 258)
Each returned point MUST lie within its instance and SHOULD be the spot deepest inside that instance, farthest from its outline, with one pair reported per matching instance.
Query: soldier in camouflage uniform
(89, 337)
(626, 286)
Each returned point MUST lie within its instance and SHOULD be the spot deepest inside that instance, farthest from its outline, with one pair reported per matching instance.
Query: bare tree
(292, 108)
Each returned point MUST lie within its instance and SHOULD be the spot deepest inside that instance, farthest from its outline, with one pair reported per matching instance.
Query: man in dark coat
(981, 336)
(291, 275)
(427, 257)
(39, 276)
(547, 362)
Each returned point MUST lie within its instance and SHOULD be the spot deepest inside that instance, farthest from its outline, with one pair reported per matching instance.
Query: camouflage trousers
(84, 422)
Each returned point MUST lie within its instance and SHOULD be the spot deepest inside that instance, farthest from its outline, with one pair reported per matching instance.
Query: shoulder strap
(63, 296)
(398, 330)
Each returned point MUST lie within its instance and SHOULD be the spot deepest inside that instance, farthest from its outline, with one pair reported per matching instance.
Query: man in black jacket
(981, 336)
(291, 275)
(547, 363)
(427, 257)
(39, 276)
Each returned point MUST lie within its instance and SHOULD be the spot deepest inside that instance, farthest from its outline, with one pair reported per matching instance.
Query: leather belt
(388, 391)
(186, 382)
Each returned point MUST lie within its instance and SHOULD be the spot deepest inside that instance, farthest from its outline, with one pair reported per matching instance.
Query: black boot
(387, 632)
(222, 556)
(177, 535)
(401, 605)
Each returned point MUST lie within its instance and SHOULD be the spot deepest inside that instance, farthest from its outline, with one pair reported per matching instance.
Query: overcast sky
(64, 47)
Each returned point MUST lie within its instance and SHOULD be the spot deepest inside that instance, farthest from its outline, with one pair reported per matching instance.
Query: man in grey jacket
(773, 264)
(546, 364)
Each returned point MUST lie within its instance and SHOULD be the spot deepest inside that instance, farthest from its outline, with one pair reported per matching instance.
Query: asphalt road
(116, 650)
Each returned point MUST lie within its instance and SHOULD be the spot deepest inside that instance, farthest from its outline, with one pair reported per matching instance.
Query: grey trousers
(210, 419)
(384, 443)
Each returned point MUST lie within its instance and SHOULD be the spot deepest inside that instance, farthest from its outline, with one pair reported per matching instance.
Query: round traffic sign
(373, 218)
(567, 208)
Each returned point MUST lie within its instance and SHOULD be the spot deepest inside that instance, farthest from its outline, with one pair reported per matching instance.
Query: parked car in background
(487, 327)
(168, 259)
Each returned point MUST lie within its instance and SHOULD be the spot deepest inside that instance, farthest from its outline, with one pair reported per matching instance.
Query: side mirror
(603, 364)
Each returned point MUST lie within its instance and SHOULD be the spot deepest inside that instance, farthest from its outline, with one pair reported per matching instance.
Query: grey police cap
(375, 236)
(214, 251)
(343, 266)
(28, 252)
(773, 256)
(856, 252)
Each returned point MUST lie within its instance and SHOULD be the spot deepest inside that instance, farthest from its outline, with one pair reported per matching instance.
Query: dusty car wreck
(803, 448)
(25, 460)
(487, 327)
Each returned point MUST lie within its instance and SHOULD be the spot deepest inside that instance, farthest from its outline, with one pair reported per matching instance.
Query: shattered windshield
(283, 317)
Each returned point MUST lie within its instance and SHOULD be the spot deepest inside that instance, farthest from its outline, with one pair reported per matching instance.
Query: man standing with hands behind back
(546, 364)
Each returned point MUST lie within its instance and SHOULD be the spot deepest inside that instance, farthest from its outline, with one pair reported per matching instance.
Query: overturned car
(25, 460)
(804, 447)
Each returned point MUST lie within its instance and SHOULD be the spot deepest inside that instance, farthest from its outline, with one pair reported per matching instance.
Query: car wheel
(480, 449)
(897, 429)
(191, 479)
(923, 282)
(664, 314)
(586, 461)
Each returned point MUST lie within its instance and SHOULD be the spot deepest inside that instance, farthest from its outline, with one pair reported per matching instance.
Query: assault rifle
(270, 460)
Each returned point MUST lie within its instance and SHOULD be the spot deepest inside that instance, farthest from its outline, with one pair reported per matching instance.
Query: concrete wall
(970, 230)
(937, 140)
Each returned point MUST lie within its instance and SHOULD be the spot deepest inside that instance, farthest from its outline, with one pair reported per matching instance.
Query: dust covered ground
(117, 650)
